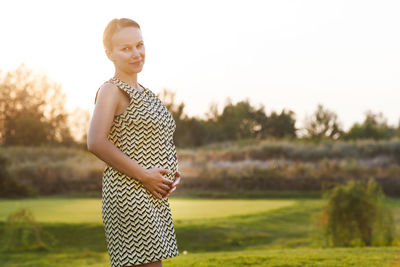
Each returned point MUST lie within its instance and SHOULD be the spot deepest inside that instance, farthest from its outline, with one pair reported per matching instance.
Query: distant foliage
(355, 216)
(280, 125)
(45, 170)
(242, 121)
(237, 121)
(323, 124)
(32, 113)
(9, 186)
(374, 127)
(247, 165)
(32, 110)
(22, 233)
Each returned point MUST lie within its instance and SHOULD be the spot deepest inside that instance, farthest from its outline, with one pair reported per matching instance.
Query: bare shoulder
(108, 91)
(109, 88)
(104, 111)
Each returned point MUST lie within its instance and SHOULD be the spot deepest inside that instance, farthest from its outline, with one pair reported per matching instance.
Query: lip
(137, 62)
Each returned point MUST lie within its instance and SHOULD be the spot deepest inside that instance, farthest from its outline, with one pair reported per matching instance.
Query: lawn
(210, 232)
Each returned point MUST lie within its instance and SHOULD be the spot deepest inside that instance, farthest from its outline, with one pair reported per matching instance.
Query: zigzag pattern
(138, 226)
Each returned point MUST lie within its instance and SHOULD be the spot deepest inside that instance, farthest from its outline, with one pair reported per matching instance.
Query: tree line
(241, 121)
(32, 112)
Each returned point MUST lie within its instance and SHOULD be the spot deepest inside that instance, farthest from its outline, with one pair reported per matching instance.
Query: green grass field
(210, 232)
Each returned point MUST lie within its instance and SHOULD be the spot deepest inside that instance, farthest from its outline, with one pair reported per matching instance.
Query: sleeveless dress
(138, 226)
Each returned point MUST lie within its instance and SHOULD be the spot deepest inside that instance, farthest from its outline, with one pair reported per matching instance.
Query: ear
(109, 54)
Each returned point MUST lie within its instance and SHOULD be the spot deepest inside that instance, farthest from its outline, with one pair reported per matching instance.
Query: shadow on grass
(72, 237)
(214, 194)
(287, 226)
(245, 194)
(284, 227)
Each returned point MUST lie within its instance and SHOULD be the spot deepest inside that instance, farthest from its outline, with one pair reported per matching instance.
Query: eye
(125, 48)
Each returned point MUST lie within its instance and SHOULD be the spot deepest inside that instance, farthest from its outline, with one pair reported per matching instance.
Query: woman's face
(128, 51)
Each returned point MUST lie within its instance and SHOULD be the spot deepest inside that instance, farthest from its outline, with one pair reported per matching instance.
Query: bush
(10, 187)
(355, 215)
(21, 232)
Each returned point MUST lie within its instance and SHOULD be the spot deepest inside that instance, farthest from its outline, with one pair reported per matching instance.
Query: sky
(282, 54)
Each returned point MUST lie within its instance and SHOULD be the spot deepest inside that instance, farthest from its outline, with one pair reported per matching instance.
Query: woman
(132, 132)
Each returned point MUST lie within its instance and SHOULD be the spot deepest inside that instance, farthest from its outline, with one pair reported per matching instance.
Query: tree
(241, 120)
(31, 109)
(323, 124)
(212, 114)
(280, 125)
(79, 120)
(374, 127)
(181, 134)
(398, 129)
(168, 99)
(27, 129)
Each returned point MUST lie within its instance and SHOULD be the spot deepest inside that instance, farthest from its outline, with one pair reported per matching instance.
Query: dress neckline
(144, 91)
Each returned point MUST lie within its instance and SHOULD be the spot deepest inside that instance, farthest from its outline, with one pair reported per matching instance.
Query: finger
(177, 174)
(167, 181)
(163, 191)
(164, 171)
(165, 187)
(170, 191)
(157, 195)
(177, 181)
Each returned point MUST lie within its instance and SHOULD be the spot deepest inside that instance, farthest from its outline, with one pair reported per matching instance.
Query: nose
(135, 53)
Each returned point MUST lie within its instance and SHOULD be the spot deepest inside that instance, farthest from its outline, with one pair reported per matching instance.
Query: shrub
(355, 215)
(21, 232)
(10, 187)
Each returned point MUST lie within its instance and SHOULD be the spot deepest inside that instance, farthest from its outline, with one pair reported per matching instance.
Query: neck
(130, 79)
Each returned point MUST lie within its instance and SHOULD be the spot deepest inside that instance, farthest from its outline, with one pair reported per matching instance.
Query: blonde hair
(113, 26)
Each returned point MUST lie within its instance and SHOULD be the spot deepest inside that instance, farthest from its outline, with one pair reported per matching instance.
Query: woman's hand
(157, 184)
(176, 182)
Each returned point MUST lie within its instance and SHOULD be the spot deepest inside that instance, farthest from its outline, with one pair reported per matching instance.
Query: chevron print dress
(138, 226)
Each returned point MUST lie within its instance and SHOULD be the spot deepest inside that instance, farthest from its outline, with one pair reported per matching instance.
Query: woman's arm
(97, 142)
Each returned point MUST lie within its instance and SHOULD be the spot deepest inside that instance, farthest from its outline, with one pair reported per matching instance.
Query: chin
(134, 70)
(137, 70)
